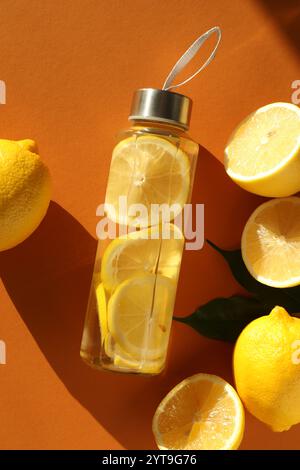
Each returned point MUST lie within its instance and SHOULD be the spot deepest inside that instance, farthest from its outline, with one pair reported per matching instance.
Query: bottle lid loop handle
(189, 55)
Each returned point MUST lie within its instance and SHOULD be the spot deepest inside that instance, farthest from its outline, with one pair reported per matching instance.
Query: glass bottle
(137, 264)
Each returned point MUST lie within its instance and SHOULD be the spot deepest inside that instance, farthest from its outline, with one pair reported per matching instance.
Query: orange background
(70, 67)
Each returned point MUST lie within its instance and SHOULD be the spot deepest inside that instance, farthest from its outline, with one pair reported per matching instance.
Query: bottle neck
(164, 126)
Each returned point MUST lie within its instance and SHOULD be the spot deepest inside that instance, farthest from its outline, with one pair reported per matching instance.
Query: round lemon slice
(263, 153)
(142, 367)
(203, 412)
(271, 243)
(140, 315)
(154, 250)
(146, 170)
(123, 361)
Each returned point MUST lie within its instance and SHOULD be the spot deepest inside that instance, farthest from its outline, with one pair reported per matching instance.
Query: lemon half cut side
(203, 412)
(263, 153)
(271, 243)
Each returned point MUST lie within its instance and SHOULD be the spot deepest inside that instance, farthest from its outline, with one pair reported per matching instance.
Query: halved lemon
(203, 412)
(146, 170)
(263, 153)
(271, 243)
(140, 252)
(140, 315)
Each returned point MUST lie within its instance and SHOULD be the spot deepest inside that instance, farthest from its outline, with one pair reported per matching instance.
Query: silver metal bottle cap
(151, 104)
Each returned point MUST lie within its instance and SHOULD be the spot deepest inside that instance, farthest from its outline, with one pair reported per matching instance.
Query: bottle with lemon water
(135, 277)
(133, 290)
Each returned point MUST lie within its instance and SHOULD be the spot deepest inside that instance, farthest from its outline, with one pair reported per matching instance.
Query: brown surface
(70, 68)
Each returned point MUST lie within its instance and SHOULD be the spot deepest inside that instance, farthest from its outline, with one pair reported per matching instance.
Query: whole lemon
(267, 369)
(24, 191)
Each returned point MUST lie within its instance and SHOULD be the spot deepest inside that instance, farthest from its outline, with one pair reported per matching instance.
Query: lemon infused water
(136, 272)
(141, 237)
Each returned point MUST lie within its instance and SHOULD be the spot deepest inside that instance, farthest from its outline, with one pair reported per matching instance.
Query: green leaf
(269, 296)
(224, 319)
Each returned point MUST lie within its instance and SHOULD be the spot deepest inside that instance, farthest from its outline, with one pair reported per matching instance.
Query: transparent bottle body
(130, 309)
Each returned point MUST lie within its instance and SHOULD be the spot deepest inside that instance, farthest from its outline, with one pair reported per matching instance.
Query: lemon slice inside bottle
(124, 361)
(140, 315)
(146, 170)
(102, 310)
(154, 250)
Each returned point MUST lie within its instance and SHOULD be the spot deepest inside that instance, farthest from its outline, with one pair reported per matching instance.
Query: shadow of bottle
(48, 279)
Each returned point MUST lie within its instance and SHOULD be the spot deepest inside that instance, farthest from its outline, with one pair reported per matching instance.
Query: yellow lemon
(203, 412)
(263, 153)
(148, 250)
(267, 369)
(271, 243)
(146, 170)
(24, 191)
